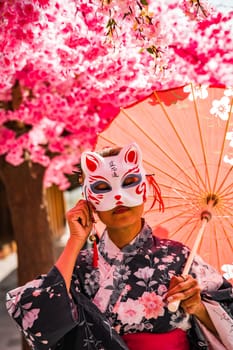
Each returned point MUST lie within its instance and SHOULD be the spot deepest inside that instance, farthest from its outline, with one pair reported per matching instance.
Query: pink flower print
(118, 328)
(11, 308)
(153, 305)
(29, 318)
(168, 259)
(221, 108)
(162, 289)
(98, 301)
(145, 273)
(125, 290)
(131, 312)
(32, 284)
(37, 292)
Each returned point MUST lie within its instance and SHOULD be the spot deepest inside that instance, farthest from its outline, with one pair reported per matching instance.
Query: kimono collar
(143, 241)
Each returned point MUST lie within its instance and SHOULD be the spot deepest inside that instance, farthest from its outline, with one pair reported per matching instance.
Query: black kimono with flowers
(125, 294)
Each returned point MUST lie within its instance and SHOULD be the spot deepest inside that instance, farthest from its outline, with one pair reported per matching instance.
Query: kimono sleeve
(217, 296)
(43, 310)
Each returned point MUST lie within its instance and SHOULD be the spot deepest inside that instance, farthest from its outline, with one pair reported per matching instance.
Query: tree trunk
(26, 200)
(6, 229)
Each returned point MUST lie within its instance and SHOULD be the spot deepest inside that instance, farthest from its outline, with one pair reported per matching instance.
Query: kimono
(125, 294)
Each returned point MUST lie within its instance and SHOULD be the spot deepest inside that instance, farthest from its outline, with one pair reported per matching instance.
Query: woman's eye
(131, 180)
(100, 187)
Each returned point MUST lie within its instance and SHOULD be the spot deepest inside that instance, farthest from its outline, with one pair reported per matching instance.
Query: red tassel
(94, 239)
(156, 192)
(95, 254)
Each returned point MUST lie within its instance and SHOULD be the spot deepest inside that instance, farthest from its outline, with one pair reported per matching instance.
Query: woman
(116, 296)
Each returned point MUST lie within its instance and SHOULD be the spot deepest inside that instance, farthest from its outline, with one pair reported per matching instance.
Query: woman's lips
(120, 209)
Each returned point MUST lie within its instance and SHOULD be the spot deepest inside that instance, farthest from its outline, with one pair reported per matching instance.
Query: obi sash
(173, 340)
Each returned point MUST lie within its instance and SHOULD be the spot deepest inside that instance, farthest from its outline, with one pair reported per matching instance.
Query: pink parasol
(185, 135)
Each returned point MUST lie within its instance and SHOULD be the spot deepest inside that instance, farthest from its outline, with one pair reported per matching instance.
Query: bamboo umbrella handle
(205, 217)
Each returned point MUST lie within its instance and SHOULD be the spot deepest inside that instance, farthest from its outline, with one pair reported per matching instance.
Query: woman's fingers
(80, 218)
(185, 289)
(80, 213)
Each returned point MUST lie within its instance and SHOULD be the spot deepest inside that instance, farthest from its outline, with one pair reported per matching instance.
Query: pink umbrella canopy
(186, 136)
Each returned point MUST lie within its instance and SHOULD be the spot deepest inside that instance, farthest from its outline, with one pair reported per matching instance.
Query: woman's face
(121, 216)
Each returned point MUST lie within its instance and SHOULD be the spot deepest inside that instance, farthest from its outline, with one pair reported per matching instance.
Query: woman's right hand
(80, 220)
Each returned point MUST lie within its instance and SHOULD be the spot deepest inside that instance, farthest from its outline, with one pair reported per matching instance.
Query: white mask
(116, 180)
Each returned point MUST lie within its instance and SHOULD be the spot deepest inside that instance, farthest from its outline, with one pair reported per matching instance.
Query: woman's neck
(124, 235)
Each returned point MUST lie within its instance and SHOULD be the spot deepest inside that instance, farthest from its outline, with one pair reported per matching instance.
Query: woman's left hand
(187, 290)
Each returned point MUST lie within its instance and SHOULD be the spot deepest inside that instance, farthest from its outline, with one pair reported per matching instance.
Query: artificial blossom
(66, 68)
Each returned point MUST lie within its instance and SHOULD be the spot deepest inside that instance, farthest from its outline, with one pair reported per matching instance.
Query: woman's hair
(109, 152)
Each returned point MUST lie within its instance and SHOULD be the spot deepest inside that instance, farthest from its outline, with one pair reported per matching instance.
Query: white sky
(222, 5)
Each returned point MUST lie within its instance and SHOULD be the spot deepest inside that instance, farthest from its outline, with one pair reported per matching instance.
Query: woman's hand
(187, 290)
(80, 220)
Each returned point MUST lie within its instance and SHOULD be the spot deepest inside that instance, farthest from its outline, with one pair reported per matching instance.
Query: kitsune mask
(114, 180)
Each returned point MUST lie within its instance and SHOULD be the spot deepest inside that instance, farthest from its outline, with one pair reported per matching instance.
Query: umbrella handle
(174, 305)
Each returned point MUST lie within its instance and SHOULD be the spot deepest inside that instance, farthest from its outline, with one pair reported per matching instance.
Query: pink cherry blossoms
(66, 68)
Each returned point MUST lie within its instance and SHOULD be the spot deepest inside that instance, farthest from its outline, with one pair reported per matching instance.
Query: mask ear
(90, 162)
(131, 154)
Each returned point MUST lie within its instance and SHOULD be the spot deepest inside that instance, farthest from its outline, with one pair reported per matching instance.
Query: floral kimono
(124, 295)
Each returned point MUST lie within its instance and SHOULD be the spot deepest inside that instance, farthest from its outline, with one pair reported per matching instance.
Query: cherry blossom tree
(66, 68)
